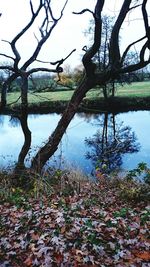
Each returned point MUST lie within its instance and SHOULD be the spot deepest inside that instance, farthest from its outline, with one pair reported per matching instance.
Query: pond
(92, 140)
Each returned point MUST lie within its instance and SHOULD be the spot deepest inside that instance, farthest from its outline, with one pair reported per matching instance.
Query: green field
(138, 89)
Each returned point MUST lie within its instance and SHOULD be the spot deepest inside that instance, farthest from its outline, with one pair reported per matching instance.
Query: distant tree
(42, 83)
(78, 73)
(96, 77)
(101, 58)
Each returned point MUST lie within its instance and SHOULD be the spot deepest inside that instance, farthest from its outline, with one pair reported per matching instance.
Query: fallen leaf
(145, 255)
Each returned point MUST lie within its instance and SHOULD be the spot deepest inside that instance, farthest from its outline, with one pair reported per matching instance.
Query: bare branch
(70, 54)
(6, 41)
(114, 41)
(142, 52)
(128, 48)
(84, 48)
(62, 11)
(45, 31)
(141, 64)
(31, 6)
(145, 17)
(44, 69)
(4, 55)
(6, 68)
(41, 61)
(87, 58)
(83, 11)
(19, 35)
(135, 67)
(133, 7)
(39, 96)
(36, 37)
(48, 8)
(58, 63)
(14, 101)
(63, 59)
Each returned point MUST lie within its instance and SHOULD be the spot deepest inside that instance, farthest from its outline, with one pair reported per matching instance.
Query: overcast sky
(67, 35)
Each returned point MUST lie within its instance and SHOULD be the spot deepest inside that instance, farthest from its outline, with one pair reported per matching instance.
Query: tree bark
(4, 90)
(24, 93)
(51, 146)
(4, 96)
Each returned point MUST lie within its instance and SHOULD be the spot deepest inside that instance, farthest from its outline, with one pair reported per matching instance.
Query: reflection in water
(16, 121)
(1, 120)
(27, 140)
(109, 143)
(22, 120)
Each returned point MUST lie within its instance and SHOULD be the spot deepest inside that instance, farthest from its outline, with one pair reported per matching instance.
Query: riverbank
(135, 96)
(102, 223)
(94, 105)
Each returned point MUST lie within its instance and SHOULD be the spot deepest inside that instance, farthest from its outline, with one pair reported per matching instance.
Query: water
(112, 141)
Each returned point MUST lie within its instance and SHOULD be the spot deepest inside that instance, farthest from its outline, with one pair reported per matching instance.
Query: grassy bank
(128, 97)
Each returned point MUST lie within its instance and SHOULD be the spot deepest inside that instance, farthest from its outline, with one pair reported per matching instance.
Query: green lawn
(139, 89)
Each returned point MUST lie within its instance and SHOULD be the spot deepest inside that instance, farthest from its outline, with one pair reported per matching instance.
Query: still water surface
(91, 140)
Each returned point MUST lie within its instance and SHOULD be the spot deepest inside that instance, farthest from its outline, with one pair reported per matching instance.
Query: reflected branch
(110, 143)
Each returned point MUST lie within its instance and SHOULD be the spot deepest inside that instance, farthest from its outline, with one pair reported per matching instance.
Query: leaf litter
(92, 228)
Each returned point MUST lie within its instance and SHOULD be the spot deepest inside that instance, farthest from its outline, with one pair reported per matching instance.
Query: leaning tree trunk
(88, 82)
(51, 146)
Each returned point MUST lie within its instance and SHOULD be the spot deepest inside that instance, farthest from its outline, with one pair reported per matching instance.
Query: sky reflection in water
(72, 148)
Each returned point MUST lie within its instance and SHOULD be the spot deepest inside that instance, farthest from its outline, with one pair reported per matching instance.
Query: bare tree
(45, 29)
(93, 76)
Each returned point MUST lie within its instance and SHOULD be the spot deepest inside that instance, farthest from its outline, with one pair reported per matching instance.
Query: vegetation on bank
(77, 222)
(128, 97)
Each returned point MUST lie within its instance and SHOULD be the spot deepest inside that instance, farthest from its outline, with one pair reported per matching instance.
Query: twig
(4, 55)
(42, 97)
(14, 101)
(58, 61)
(83, 11)
(129, 46)
(5, 41)
(133, 7)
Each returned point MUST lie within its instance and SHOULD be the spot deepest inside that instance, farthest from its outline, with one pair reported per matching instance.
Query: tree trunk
(24, 93)
(51, 146)
(3, 96)
(113, 89)
(105, 92)
(5, 86)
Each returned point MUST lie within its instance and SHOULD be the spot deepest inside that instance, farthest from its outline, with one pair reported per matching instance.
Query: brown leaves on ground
(93, 228)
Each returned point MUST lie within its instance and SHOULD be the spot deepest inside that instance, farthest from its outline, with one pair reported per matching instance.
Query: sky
(68, 34)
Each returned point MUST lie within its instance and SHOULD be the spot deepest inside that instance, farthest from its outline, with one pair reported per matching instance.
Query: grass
(137, 89)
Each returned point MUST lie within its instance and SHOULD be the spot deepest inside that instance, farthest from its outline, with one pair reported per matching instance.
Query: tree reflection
(22, 119)
(1, 120)
(110, 143)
